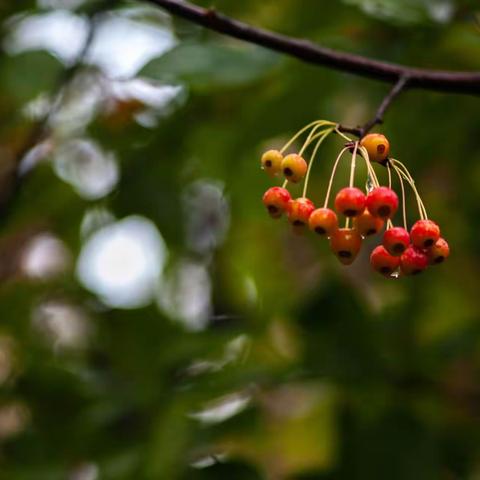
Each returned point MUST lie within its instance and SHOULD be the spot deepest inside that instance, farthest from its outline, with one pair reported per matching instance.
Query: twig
(397, 89)
(445, 81)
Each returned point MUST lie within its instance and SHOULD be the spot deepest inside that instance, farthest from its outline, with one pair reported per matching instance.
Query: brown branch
(445, 81)
(397, 89)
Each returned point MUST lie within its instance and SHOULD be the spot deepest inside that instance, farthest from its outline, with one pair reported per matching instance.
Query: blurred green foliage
(254, 355)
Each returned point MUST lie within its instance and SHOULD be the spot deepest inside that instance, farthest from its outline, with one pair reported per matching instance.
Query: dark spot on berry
(381, 149)
(320, 231)
(428, 243)
(273, 209)
(384, 211)
(288, 172)
(350, 212)
(345, 254)
(416, 272)
(385, 270)
(372, 231)
(439, 259)
(298, 223)
(268, 163)
(398, 248)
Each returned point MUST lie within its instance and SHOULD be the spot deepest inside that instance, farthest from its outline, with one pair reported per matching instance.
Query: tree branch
(445, 81)
(397, 89)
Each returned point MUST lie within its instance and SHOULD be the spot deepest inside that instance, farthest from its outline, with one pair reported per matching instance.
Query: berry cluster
(402, 252)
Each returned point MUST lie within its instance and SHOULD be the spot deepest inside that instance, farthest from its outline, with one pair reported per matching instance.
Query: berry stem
(311, 137)
(421, 208)
(406, 174)
(285, 183)
(404, 205)
(389, 176)
(322, 137)
(353, 164)
(369, 165)
(303, 130)
(330, 183)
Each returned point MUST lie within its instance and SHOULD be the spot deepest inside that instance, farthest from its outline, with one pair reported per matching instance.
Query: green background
(329, 372)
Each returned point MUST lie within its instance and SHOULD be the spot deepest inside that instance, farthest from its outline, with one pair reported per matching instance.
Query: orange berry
(377, 146)
(382, 262)
(276, 200)
(299, 211)
(294, 167)
(323, 221)
(350, 201)
(366, 224)
(345, 243)
(439, 252)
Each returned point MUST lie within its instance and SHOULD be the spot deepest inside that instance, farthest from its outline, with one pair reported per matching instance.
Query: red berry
(323, 221)
(294, 167)
(272, 162)
(276, 200)
(413, 261)
(382, 202)
(377, 146)
(439, 252)
(425, 233)
(396, 240)
(345, 243)
(383, 262)
(299, 211)
(366, 224)
(350, 201)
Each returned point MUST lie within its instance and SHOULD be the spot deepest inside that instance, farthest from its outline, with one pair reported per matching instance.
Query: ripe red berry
(425, 233)
(377, 146)
(272, 162)
(439, 252)
(366, 224)
(413, 261)
(382, 202)
(345, 243)
(276, 200)
(299, 211)
(350, 201)
(323, 221)
(383, 262)
(294, 167)
(396, 240)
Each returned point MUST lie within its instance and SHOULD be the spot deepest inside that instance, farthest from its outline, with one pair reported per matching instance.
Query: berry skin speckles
(396, 240)
(350, 201)
(299, 211)
(272, 162)
(294, 167)
(382, 202)
(276, 201)
(382, 262)
(377, 146)
(424, 233)
(413, 261)
(345, 243)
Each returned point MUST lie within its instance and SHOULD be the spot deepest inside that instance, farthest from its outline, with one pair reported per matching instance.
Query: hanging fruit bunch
(370, 212)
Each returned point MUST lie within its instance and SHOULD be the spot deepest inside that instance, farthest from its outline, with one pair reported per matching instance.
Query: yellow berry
(294, 167)
(272, 162)
(377, 146)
